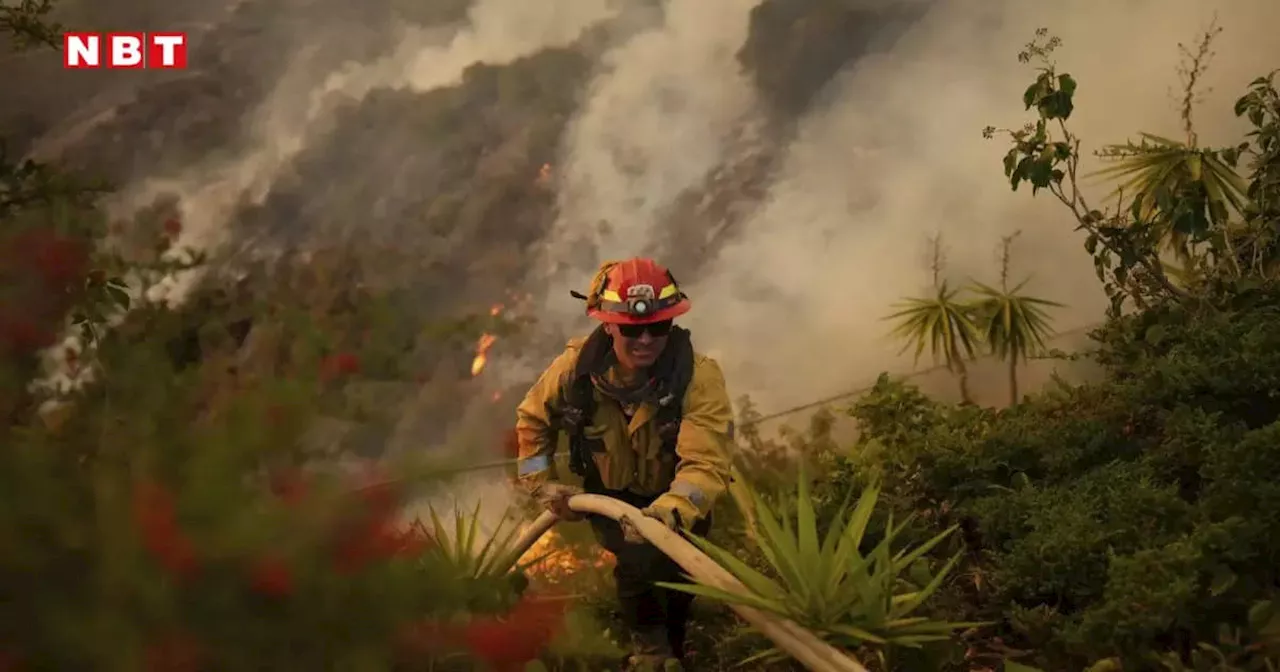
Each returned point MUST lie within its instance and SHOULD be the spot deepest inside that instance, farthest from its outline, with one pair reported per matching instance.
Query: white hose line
(804, 646)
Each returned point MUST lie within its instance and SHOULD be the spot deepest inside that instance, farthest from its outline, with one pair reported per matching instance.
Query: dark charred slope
(469, 200)
(449, 224)
(793, 51)
(796, 47)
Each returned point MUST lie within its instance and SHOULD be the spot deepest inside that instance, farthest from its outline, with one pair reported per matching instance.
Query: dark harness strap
(672, 374)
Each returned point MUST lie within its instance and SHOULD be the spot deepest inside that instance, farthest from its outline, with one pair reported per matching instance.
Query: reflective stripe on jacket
(690, 481)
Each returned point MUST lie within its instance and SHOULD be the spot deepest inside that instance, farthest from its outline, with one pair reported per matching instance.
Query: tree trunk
(1013, 381)
(962, 372)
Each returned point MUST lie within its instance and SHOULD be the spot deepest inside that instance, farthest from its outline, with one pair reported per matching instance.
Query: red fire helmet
(635, 291)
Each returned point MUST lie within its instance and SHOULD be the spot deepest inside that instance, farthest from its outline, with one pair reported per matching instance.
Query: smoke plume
(656, 119)
(893, 154)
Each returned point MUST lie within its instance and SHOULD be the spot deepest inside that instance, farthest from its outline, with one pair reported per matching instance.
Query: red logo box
(125, 51)
(167, 51)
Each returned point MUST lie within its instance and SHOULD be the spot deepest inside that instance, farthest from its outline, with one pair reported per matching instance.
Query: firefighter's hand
(667, 516)
(554, 497)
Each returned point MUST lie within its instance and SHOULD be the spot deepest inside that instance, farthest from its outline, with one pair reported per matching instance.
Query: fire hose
(801, 644)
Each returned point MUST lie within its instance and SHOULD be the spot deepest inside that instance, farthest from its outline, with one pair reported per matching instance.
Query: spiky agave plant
(825, 582)
(458, 546)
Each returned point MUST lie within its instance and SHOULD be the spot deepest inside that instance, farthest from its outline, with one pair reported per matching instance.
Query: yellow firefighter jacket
(689, 481)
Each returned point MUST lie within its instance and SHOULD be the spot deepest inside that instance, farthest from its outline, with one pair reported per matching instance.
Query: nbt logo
(125, 51)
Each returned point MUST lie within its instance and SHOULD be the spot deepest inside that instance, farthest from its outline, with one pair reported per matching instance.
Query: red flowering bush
(156, 520)
(177, 519)
(509, 641)
(41, 272)
(338, 365)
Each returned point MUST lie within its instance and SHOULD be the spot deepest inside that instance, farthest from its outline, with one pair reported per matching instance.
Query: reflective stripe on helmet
(666, 293)
(613, 302)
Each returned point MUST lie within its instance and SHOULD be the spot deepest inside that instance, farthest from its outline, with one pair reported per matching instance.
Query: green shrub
(1120, 518)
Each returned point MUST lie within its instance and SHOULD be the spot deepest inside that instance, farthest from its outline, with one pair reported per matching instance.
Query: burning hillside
(449, 163)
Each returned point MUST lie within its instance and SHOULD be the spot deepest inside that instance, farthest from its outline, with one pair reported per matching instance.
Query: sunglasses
(655, 329)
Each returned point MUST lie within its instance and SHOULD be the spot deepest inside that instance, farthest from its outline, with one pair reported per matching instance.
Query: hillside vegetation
(202, 500)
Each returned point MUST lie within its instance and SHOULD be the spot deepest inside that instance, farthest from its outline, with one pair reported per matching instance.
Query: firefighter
(648, 422)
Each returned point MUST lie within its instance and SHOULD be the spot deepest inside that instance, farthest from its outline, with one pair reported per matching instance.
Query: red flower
(370, 534)
(509, 642)
(377, 540)
(270, 576)
(155, 514)
(59, 260)
(341, 364)
(174, 652)
(39, 268)
(289, 485)
(374, 533)
(415, 541)
(382, 497)
(22, 334)
(172, 227)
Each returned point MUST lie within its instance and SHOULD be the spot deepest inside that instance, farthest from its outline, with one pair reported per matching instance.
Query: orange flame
(544, 173)
(559, 562)
(482, 346)
(482, 353)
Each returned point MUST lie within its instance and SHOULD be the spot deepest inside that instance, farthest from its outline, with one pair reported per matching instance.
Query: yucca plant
(1013, 325)
(942, 324)
(459, 546)
(826, 583)
(507, 624)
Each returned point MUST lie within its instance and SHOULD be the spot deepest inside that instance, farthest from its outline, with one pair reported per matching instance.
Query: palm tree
(1013, 325)
(944, 326)
(940, 323)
